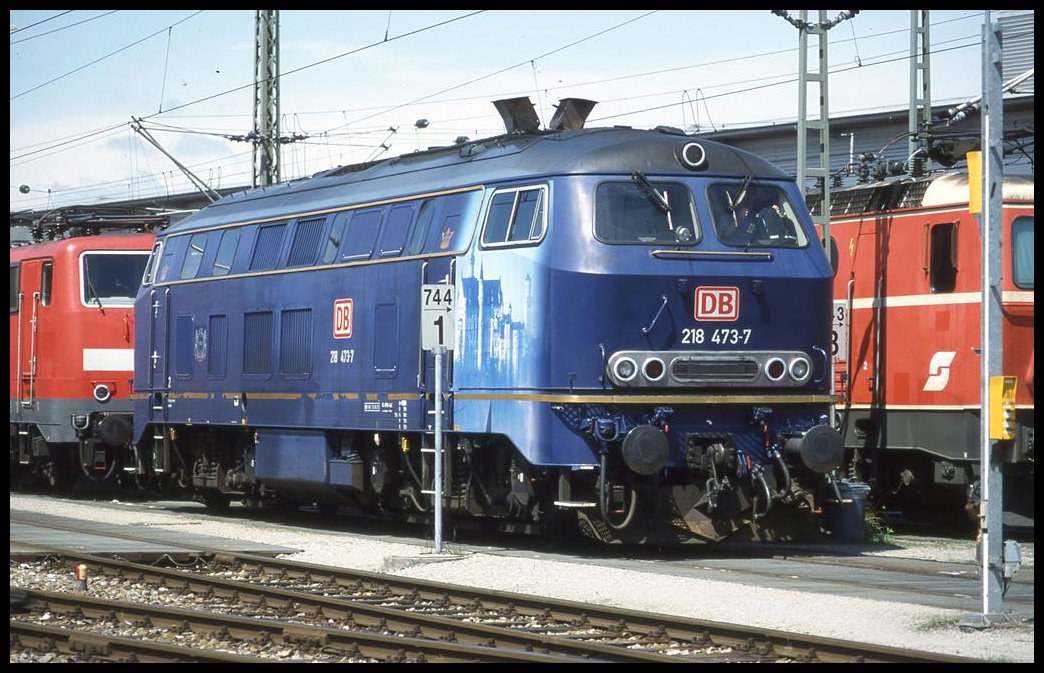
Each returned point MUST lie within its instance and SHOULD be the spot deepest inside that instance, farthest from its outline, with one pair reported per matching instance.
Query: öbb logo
(717, 303)
(342, 319)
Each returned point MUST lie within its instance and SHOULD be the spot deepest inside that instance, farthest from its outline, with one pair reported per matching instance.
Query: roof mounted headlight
(692, 156)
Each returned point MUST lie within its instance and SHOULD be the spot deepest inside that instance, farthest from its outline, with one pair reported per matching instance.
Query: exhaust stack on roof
(519, 114)
(571, 114)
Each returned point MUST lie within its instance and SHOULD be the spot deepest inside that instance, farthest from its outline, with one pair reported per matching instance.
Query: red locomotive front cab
(72, 326)
(908, 295)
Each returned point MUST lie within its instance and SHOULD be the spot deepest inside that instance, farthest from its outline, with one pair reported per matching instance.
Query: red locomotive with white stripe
(908, 293)
(72, 357)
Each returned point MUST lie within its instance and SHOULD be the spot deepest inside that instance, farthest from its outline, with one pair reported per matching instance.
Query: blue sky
(350, 77)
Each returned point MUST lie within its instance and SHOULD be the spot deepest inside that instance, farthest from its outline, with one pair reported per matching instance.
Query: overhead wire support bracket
(193, 178)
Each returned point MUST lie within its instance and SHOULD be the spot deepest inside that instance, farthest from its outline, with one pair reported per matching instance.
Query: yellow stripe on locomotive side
(530, 397)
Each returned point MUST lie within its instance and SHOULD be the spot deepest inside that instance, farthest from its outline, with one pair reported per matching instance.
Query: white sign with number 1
(438, 317)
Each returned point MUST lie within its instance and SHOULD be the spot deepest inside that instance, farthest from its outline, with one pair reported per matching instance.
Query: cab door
(34, 295)
(158, 353)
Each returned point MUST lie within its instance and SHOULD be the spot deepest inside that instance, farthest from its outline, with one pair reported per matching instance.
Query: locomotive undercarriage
(100, 449)
(939, 490)
(487, 484)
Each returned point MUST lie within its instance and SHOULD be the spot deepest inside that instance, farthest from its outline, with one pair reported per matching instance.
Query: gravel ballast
(873, 621)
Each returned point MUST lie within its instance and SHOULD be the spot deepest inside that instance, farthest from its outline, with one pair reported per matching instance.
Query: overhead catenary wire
(384, 110)
(98, 60)
(42, 21)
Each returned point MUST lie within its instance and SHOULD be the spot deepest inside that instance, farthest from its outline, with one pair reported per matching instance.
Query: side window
(528, 216)
(396, 226)
(942, 257)
(46, 281)
(166, 261)
(1022, 252)
(420, 231)
(498, 220)
(266, 249)
(226, 252)
(362, 234)
(150, 268)
(307, 239)
(194, 256)
(516, 216)
(14, 288)
(333, 239)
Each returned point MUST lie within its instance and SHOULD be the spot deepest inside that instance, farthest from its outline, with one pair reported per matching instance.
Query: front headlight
(625, 369)
(800, 368)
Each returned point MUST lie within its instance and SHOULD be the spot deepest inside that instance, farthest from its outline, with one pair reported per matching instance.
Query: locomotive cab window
(645, 212)
(755, 216)
(942, 257)
(194, 256)
(516, 217)
(46, 282)
(226, 252)
(1022, 252)
(333, 239)
(110, 278)
(362, 235)
(153, 263)
(14, 288)
(396, 226)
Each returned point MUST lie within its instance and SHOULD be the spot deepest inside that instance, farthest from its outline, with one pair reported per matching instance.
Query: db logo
(717, 303)
(342, 319)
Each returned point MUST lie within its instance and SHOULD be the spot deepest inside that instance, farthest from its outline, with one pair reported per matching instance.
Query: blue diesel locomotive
(640, 332)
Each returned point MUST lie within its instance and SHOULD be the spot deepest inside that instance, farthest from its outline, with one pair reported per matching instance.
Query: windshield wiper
(741, 195)
(90, 285)
(645, 187)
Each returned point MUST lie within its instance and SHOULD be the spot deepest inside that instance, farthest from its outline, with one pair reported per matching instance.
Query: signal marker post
(999, 558)
(438, 334)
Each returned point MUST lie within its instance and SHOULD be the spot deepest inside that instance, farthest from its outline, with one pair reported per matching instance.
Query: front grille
(699, 370)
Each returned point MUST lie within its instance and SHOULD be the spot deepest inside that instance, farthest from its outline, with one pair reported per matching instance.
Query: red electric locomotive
(908, 293)
(72, 327)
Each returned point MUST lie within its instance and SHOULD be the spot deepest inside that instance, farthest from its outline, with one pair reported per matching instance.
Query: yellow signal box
(1002, 407)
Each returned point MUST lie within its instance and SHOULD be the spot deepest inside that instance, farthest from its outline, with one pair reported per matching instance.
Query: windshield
(111, 278)
(759, 217)
(629, 212)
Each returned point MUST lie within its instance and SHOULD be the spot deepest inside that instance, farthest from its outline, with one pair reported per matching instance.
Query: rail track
(330, 603)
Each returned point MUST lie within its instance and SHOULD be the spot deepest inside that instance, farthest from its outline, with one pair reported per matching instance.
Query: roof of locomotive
(77, 244)
(932, 191)
(514, 156)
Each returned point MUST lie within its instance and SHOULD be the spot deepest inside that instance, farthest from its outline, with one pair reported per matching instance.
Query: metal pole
(439, 352)
(991, 518)
(802, 120)
(920, 114)
(267, 170)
